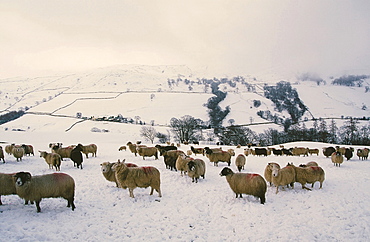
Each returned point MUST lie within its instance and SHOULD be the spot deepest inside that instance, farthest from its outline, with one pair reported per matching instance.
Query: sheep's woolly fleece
(203, 211)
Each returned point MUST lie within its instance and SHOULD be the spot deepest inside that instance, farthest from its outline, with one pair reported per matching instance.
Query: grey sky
(236, 37)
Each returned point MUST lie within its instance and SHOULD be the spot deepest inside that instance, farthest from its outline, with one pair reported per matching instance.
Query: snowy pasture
(203, 211)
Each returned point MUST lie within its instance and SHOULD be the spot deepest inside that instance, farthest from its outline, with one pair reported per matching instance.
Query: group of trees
(189, 129)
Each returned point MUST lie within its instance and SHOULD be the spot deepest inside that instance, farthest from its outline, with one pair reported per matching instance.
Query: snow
(203, 211)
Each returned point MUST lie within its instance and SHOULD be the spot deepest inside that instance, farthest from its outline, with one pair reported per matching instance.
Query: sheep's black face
(226, 171)
(21, 178)
(191, 165)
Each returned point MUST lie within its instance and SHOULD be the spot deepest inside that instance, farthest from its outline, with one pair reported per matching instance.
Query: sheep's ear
(123, 161)
(118, 161)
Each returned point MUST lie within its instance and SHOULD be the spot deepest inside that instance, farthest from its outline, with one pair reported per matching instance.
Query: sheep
(337, 158)
(123, 147)
(348, 153)
(268, 170)
(28, 149)
(260, 151)
(64, 152)
(170, 158)
(231, 152)
(246, 183)
(313, 151)
(276, 151)
(91, 148)
(282, 177)
(7, 185)
(196, 168)
(162, 149)
(300, 151)
(109, 174)
(248, 151)
(311, 163)
(197, 150)
(9, 148)
(35, 188)
(213, 149)
(18, 153)
(52, 159)
(182, 163)
(327, 151)
(147, 151)
(132, 148)
(189, 152)
(240, 162)
(342, 150)
(363, 153)
(76, 156)
(2, 154)
(132, 177)
(216, 157)
(310, 174)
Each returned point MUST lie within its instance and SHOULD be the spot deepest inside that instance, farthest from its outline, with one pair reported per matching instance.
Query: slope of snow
(203, 211)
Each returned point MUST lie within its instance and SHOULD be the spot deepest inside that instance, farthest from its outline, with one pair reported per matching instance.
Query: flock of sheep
(129, 176)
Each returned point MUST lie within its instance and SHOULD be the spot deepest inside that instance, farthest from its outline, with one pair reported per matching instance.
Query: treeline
(10, 116)
(348, 134)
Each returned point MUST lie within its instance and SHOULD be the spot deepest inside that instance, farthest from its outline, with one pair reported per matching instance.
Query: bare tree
(148, 133)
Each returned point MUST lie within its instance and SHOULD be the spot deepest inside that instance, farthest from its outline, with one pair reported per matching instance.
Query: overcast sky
(236, 37)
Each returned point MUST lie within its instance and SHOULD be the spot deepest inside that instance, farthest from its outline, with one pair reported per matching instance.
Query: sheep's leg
(159, 192)
(38, 205)
(131, 192)
(151, 190)
(304, 187)
(277, 189)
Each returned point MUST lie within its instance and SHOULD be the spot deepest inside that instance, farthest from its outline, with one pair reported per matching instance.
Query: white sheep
(91, 148)
(246, 183)
(35, 188)
(182, 163)
(52, 159)
(310, 174)
(109, 174)
(240, 162)
(282, 176)
(268, 171)
(337, 158)
(132, 177)
(18, 153)
(196, 168)
(147, 152)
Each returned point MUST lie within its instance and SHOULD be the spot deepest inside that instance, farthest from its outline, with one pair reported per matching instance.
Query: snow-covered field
(206, 211)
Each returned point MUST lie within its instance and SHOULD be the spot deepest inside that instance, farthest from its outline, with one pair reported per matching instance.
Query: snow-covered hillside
(159, 93)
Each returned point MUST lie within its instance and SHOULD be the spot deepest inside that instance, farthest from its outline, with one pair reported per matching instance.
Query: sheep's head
(226, 171)
(106, 166)
(22, 178)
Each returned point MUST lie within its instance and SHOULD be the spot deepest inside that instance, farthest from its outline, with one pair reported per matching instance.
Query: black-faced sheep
(28, 149)
(311, 163)
(268, 171)
(147, 152)
(109, 174)
(282, 177)
(7, 185)
(197, 150)
(182, 163)
(363, 153)
(337, 158)
(91, 148)
(64, 152)
(310, 174)
(35, 188)
(348, 153)
(2, 154)
(76, 156)
(132, 177)
(220, 156)
(163, 149)
(240, 162)
(196, 168)
(52, 159)
(170, 158)
(18, 153)
(327, 151)
(246, 183)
